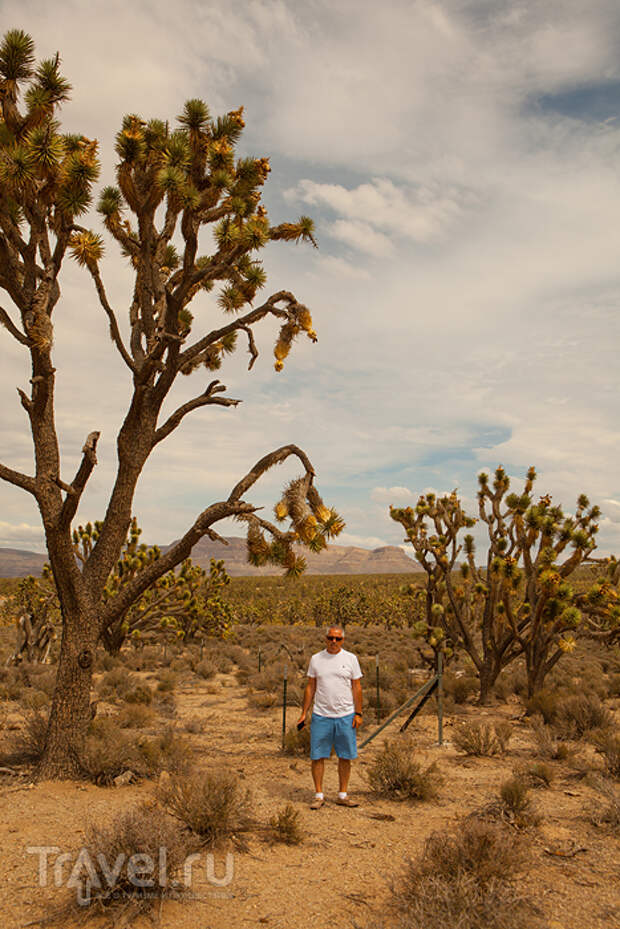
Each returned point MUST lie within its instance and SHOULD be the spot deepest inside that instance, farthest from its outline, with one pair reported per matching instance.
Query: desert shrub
(105, 661)
(141, 693)
(466, 880)
(168, 751)
(605, 811)
(608, 744)
(167, 681)
(459, 689)
(537, 774)
(212, 805)
(179, 664)
(482, 738)
(510, 681)
(297, 742)
(263, 700)
(135, 716)
(547, 745)
(109, 751)
(141, 831)
(116, 684)
(285, 826)
(27, 744)
(34, 699)
(544, 703)
(579, 715)
(195, 725)
(164, 702)
(206, 669)
(395, 773)
(514, 795)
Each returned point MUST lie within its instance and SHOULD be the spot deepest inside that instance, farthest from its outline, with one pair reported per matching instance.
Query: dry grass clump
(482, 739)
(109, 751)
(513, 806)
(285, 826)
(141, 693)
(608, 744)
(517, 805)
(206, 669)
(167, 681)
(116, 684)
(465, 880)
(212, 805)
(537, 774)
(580, 715)
(394, 773)
(136, 716)
(195, 725)
(547, 745)
(26, 745)
(459, 689)
(131, 842)
(605, 812)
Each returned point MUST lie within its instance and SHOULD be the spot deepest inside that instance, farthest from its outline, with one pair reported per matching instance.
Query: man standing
(334, 682)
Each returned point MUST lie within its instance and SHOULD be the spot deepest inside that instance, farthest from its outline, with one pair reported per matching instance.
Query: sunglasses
(334, 638)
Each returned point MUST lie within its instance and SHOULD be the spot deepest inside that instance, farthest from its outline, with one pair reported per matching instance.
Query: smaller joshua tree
(185, 603)
(520, 602)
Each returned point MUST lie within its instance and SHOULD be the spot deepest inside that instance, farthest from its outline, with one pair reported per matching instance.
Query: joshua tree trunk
(70, 713)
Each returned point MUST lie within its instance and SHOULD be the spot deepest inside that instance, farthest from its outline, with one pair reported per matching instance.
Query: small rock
(123, 779)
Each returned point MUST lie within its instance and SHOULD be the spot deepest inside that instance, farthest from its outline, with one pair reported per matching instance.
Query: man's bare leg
(318, 769)
(344, 773)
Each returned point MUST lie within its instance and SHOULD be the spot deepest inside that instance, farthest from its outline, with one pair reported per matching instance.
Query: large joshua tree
(171, 184)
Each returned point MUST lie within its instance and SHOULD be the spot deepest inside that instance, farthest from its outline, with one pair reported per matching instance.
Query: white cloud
(359, 541)
(421, 214)
(21, 532)
(362, 237)
(390, 494)
(486, 327)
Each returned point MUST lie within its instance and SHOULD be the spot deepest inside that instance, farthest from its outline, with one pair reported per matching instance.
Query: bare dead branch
(114, 330)
(8, 323)
(206, 399)
(25, 400)
(251, 346)
(242, 322)
(74, 493)
(20, 480)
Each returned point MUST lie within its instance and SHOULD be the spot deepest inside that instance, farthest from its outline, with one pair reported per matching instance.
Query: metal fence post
(440, 698)
(284, 686)
(378, 689)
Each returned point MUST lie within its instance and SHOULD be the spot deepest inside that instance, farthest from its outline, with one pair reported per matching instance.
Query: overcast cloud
(462, 162)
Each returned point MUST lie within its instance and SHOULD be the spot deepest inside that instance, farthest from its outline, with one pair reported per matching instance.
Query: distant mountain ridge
(337, 559)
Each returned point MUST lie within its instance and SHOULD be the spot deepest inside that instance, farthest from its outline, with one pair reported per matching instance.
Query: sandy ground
(343, 868)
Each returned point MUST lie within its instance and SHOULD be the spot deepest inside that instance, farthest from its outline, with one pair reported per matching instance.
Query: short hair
(339, 628)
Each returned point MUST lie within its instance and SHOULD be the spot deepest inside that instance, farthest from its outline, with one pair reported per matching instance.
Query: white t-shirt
(334, 673)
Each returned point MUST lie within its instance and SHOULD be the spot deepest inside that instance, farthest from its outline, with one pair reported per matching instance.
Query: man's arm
(308, 698)
(356, 687)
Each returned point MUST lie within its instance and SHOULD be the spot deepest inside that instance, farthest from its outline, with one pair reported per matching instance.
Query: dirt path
(348, 857)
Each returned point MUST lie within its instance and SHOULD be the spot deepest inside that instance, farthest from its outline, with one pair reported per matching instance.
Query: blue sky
(461, 160)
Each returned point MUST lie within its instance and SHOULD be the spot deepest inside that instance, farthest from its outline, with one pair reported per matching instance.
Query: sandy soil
(342, 870)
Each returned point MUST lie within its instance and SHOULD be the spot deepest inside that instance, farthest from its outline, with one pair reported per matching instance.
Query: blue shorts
(327, 731)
